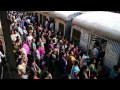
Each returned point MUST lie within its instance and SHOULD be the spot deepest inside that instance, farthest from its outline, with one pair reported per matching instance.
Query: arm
(1, 54)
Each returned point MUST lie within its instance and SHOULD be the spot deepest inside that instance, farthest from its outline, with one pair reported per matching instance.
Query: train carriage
(62, 20)
(100, 26)
(42, 16)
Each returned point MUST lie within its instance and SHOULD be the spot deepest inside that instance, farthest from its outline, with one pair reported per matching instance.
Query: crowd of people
(41, 52)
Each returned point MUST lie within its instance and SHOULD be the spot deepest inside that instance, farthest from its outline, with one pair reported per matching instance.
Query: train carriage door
(40, 18)
(119, 61)
(68, 29)
(52, 23)
(36, 16)
(100, 42)
(61, 28)
(44, 19)
(76, 34)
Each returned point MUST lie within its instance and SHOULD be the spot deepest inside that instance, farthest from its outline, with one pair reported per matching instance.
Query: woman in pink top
(26, 47)
(41, 50)
(29, 39)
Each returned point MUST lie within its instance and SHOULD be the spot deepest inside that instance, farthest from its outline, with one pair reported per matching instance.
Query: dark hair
(18, 24)
(44, 75)
(19, 60)
(115, 67)
(76, 63)
(66, 76)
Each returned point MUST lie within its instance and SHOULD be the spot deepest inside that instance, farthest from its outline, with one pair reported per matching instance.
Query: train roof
(62, 14)
(106, 24)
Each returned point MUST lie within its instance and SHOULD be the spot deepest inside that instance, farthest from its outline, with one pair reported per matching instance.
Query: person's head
(40, 25)
(72, 53)
(18, 37)
(118, 70)
(76, 63)
(63, 54)
(54, 41)
(93, 75)
(33, 40)
(20, 61)
(62, 47)
(45, 74)
(18, 25)
(86, 69)
(13, 32)
(93, 60)
(24, 28)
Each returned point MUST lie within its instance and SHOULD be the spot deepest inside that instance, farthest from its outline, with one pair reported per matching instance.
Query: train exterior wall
(112, 54)
(57, 21)
(84, 38)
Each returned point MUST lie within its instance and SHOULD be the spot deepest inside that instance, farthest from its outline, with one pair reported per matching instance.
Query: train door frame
(98, 37)
(68, 29)
(119, 60)
(50, 17)
(37, 17)
(104, 49)
(40, 18)
(62, 29)
(57, 21)
(71, 37)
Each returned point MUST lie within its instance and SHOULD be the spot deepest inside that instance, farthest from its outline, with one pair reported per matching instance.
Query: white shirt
(28, 20)
(25, 31)
(95, 52)
(1, 55)
(38, 54)
(30, 38)
(20, 30)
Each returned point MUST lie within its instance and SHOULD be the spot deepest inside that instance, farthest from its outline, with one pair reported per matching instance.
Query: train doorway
(100, 43)
(41, 19)
(68, 29)
(61, 28)
(76, 36)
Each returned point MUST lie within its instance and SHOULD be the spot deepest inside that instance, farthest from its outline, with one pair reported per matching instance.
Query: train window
(61, 28)
(76, 36)
(41, 18)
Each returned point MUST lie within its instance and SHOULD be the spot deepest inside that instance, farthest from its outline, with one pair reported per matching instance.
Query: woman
(63, 64)
(84, 73)
(35, 71)
(41, 50)
(13, 35)
(46, 75)
(22, 69)
(113, 72)
(29, 40)
(75, 71)
(92, 65)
